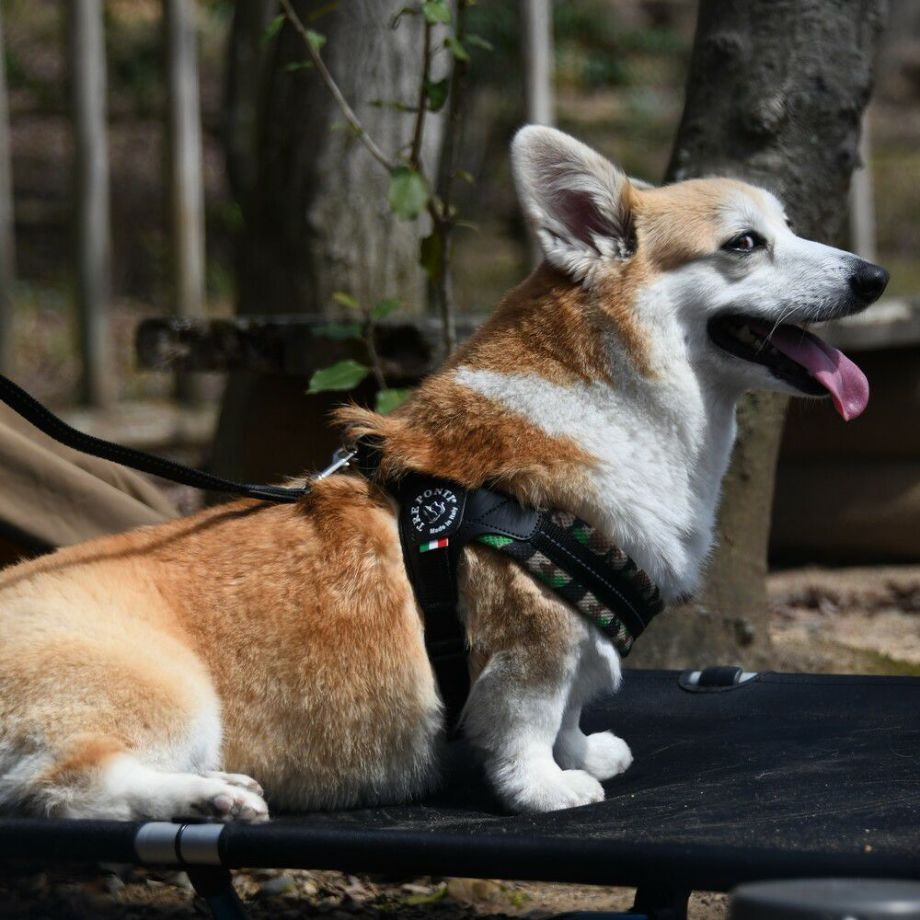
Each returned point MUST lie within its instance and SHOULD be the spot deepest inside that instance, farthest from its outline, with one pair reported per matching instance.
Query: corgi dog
(171, 670)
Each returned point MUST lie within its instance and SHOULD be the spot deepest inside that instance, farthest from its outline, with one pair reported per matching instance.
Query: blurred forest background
(620, 73)
(619, 80)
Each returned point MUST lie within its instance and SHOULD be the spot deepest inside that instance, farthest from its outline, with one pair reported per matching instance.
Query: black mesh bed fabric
(783, 776)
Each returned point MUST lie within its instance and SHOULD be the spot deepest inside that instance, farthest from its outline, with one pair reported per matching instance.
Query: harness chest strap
(438, 518)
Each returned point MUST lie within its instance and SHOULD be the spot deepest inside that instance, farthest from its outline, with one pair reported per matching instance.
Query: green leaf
(456, 49)
(465, 176)
(346, 300)
(323, 10)
(342, 376)
(273, 27)
(431, 256)
(477, 41)
(388, 400)
(436, 93)
(298, 65)
(338, 332)
(408, 192)
(436, 11)
(385, 307)
(316, 39)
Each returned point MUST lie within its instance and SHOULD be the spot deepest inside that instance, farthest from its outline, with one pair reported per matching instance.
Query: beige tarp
(53, 496)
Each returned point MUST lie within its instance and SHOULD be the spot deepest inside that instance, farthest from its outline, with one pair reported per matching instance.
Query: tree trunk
(186, 186)
(537, 21)
(7, 238)
(319, 221)
(244, 77)
(775, 95)
(539, 69)
(316, 215)
(91, 225)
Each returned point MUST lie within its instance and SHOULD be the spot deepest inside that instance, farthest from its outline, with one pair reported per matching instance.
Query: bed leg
(661, 902)
(215, 885)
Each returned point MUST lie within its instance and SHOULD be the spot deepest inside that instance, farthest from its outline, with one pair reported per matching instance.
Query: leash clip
(340, 459)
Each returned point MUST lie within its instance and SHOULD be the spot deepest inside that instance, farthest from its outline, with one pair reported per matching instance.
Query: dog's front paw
(555, 789)
(606, 755)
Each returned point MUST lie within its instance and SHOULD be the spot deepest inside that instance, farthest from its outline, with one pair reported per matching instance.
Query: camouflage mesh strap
(633, 586)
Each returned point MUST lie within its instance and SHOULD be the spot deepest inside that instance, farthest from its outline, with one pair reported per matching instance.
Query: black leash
(33, 411)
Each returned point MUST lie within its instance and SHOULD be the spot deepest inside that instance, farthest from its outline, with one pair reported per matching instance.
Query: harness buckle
(341, 457)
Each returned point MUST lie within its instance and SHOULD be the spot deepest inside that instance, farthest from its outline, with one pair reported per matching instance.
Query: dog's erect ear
(577, 201)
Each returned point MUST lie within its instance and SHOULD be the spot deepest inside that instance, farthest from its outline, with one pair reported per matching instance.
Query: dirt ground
(855, 620)
(134, 895)
(859, 620)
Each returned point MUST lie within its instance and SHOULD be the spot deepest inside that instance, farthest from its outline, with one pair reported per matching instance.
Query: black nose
(868, 281)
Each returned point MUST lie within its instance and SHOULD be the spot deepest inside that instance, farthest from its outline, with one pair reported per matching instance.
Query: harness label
(434, 511)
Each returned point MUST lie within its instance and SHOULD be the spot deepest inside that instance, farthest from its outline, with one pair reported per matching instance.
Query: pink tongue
(845, 382)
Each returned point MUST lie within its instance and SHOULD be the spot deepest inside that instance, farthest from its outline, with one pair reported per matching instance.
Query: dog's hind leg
(111, 728)
(96, 776)
(119, 785)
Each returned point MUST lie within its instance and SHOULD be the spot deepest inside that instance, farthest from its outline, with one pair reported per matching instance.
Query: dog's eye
(745, 242)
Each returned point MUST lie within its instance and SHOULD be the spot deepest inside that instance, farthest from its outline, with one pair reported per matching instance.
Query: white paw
(237, 779)
(559, 789)
(606, 755)
(229, 800)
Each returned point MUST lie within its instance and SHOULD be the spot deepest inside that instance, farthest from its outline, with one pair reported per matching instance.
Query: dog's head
(709, 271)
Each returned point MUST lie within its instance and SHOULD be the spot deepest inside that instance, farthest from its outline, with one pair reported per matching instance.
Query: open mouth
(796, 357)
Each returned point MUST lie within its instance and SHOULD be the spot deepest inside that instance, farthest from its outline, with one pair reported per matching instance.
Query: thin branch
(442, 214)
(370, 329)
(439, 206)
(333, 88)
(454, 116)
(416, 151)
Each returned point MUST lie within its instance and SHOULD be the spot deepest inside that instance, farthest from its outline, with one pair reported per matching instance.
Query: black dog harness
(438, 518)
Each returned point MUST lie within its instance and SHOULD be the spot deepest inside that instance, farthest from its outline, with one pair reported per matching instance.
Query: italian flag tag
(434, 544)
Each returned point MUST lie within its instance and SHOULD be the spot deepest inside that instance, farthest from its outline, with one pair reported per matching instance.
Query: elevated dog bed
(779, 776)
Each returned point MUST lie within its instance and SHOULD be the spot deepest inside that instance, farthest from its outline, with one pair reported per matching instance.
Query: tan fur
(492, 587)
(550, 327)
(545, 326)
(80, 761)
(449, 430)
(299, 618)
(678, 223)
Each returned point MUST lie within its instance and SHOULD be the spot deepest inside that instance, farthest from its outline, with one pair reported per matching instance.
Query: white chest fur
(661, 451)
